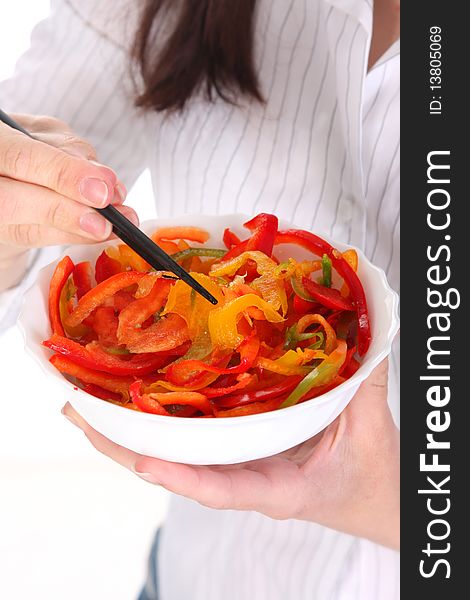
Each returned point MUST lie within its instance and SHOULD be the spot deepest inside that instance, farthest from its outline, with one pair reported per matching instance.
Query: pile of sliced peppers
(281, 333)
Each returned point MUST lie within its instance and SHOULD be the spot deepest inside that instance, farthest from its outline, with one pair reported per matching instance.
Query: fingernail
(96, 225)
(120, 192)
(95, 191)
(145, 476)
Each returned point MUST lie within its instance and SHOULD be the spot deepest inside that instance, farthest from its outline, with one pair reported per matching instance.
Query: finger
(121, 455)
(216, 487)
(68, 142)
(24, 204)
(57, 133)
(36, 162)
(120, 193)
(221, 488)
(41, 123)
(36, 236)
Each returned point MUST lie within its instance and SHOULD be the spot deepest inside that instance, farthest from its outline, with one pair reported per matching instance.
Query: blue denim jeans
(150, 589)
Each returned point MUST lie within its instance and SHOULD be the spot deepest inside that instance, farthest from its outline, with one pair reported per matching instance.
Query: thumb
(371, 397)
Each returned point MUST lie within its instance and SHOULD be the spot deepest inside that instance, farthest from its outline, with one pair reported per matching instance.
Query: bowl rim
(355, 380)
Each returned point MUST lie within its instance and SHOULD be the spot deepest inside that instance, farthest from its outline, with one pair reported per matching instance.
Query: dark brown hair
(209, 47)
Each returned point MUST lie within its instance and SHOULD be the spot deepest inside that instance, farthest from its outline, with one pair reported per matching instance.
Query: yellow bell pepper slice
(192, 307)
(223, 321)
(291, 363)
(270, 285)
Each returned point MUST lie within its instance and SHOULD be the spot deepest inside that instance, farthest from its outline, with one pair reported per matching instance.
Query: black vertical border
(422, 133)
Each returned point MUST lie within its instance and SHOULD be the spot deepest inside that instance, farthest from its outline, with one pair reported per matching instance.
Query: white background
(73, 525)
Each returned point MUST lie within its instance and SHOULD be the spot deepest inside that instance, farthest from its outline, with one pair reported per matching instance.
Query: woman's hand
(346, 478)
(48, 187)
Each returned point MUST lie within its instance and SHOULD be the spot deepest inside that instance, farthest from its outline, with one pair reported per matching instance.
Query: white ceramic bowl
(212, 441)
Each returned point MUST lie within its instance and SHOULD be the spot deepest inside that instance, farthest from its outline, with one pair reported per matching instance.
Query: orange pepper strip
(182, 245)
(181, 232)
(249, 409)
(131, 259)
(167, 246)
(307, 320)
(350, 256)
(195, 399)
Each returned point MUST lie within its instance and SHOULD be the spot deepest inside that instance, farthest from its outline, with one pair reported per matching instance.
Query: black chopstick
(134, 237)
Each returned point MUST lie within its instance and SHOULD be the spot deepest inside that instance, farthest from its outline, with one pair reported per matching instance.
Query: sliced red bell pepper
(302, 306)
(350, 365)
(193, 380)
(230, 239)
(122, 299)
(322, 389)
(166, 333)
(184, 372)
(263, 228)
(275, 391)
(105, 267)
(104, 323)
(59, 278)
(215, 392)
(236, 250)
(82, 278)
(104, 290)
(113, 383)
(93, 356)
(140, 309)
(318, 246)
(99, 392)
(329, 297)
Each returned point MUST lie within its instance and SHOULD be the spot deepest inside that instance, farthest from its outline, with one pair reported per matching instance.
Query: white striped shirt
(323, 152)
